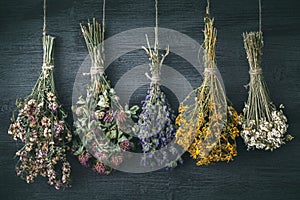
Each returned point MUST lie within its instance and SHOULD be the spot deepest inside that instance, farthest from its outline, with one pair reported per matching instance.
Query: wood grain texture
(253, 175)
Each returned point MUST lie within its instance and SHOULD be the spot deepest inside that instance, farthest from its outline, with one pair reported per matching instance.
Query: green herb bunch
(100, 141)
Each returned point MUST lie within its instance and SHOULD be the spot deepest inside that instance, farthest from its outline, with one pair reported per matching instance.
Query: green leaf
(81, 101)
(113, 134)
(134, 108)
(79, 151)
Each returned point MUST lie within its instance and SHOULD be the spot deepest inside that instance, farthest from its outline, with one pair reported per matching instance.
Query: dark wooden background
(252, 175)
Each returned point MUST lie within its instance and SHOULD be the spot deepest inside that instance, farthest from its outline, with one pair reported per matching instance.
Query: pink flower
(53, 106)
(99, 168)
(58, 127)
(125, 145)
(116, 160)
(33, 121)
(83, 158)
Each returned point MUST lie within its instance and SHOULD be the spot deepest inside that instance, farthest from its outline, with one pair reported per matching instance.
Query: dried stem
(259, 102)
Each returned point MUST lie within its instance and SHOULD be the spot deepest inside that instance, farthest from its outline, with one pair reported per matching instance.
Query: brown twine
(260, 17)
(210, 70)
(255, 71)
(155, 79)
(46, 67)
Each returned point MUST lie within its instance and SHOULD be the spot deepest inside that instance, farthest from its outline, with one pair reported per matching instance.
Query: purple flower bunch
(156, 130)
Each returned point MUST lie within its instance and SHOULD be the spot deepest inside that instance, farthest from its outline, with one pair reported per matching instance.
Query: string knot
(211, 70)
(155, 79)
(47, 67)
(255, 71)
(95, 70)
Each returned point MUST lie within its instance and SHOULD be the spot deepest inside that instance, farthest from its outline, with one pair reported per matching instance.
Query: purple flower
(58, 127)
(109, 116)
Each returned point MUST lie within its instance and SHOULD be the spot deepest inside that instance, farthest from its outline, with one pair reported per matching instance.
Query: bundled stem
(258, 92)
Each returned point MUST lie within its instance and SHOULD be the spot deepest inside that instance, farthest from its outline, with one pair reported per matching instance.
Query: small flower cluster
(99, 141)
(41, 126)
(263, 126)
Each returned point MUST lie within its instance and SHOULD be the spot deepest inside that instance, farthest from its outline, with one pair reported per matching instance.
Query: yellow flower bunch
(198, 136)
(207, 124)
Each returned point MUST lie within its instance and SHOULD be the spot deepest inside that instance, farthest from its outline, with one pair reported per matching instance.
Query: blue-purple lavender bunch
(156, 130)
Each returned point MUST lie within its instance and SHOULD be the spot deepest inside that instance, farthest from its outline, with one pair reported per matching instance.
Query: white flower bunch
(266, 134)
(263, 126)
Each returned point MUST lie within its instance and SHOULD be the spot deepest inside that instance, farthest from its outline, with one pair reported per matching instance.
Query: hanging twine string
(207, 7)
(260, 17)
(46, 66)
(103, 22)
(44, 37)
(156, 25)
(44, 27)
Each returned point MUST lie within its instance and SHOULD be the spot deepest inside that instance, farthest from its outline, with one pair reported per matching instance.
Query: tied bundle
(207, 124)
(155, 127)
(263, 126)
(41, 126)
(100, 142)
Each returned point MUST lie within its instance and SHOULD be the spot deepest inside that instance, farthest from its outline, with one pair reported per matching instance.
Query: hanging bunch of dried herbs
(99, 140)
(207, 124)
(41, 126)
(263, 126)
(155, 127)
